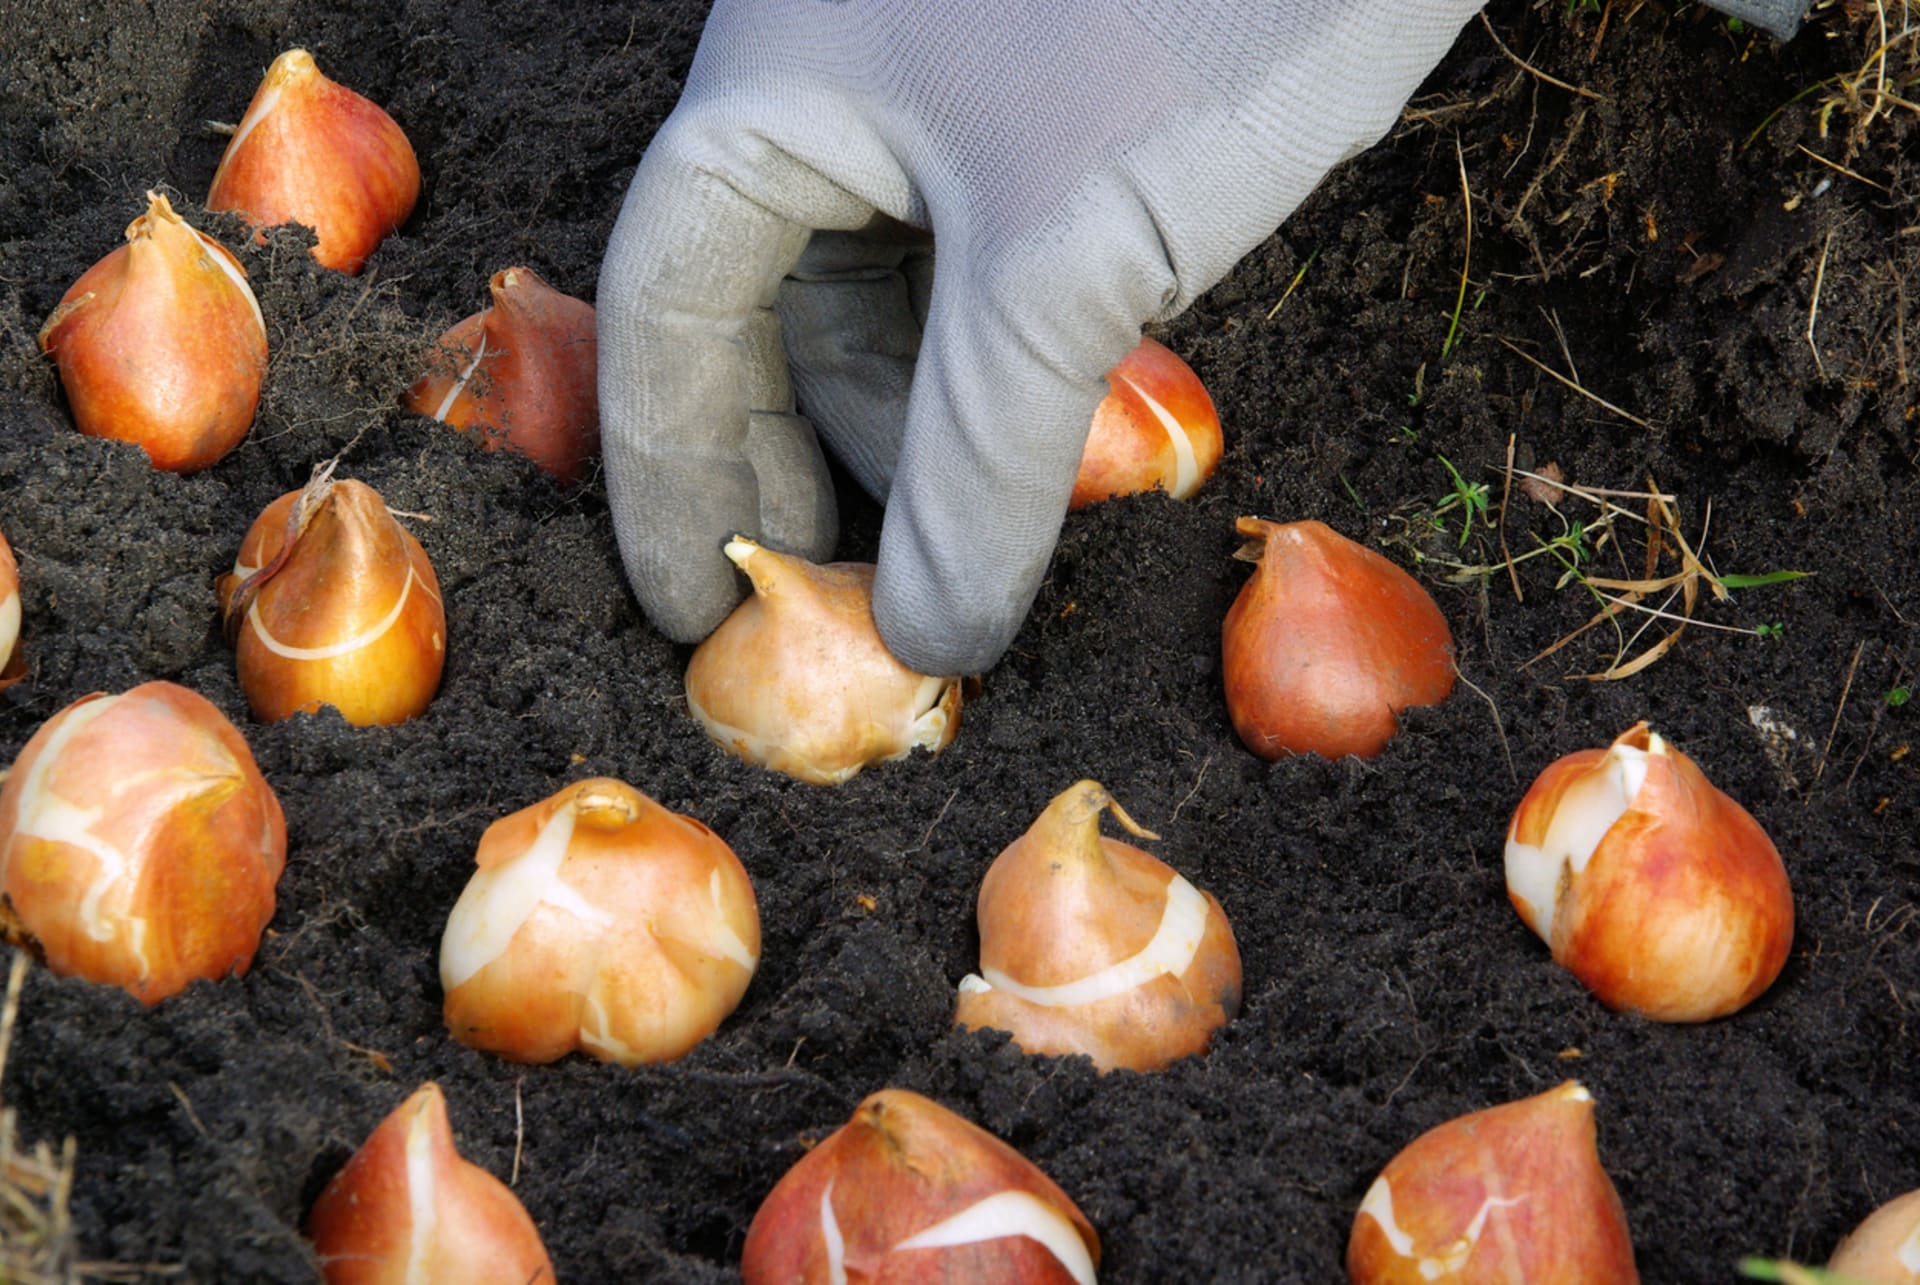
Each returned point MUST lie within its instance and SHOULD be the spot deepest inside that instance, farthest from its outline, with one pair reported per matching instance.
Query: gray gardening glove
(1780, 18)
(1086, 165)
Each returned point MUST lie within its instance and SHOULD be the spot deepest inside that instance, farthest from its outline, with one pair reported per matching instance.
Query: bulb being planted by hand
(797, 679)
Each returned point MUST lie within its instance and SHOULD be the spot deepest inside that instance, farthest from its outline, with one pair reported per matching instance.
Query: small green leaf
(1766, 578)
(1791, 1273)
(1352, 494)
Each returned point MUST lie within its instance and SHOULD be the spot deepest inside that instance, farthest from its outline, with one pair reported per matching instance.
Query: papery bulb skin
(797, 679)
(139, 845)
(909, 1191)
(1511, 1194)
(1156, 429)
(13, 665)
(1089, 945)
(1326, 644)
(408, 1209)
(598, 921)
(522, 375)
(1884, 1249)
(162, 344)
(313, 152)
(1655, 889)
(332, 602)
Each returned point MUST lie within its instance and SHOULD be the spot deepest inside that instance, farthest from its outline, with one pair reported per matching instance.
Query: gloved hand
(1086, 165)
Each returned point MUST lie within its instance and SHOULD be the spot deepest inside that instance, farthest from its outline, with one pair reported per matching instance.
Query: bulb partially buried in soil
(909, 1191)
(797, 679)
(1512, 1193)
(1089, 945)
(1655, 889)
(332, 602)
(598, 921)
(1326, 644)
(1156, 429)
(408, 1208)
(161, 343)
(521, 375)
(313, 152)
(140, 846)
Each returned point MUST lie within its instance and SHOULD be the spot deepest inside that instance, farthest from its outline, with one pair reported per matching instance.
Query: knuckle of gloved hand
(700, 140)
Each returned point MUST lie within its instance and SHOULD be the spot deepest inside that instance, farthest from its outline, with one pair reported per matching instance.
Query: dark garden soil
(1664, 237)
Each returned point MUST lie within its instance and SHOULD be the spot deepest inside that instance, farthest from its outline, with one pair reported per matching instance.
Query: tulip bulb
(314, 152)
(1155, 430)
(909, 1191)
(598, 921)
(162, 344)
(408, 1208)
(139, 844)
(1652, 887)
(332, 602)
(1327, 643)
(521, 374)
(1511, 1193)
(797, 679)
(13, 665)
(1089, 945)
(1885, 1249)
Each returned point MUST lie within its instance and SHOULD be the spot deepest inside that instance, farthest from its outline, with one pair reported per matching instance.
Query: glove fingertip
(934, 633)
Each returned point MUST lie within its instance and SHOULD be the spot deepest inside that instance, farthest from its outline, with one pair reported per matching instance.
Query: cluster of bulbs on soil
(140, 846)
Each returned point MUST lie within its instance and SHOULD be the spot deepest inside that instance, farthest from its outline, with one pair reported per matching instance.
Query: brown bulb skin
(478, 1232)
(521, 375)
(140, 846)
(902, 1168)
(1089, 945)
(313, 152)
(332, 602)
(1509, 1194)
(1326, 644)
(162, 344)
(1132, 445)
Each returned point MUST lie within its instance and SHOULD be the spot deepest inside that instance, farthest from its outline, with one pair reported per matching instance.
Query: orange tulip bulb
(1656, 890)
(909, 1191)
(162, 344)
(598, 921)
(521, 374)
(139, 844)
(1327, 643)
(332, 602)
(1512, 1193)
(313, 152)
(1089, 945)
(1156, 429)
(409, 1208)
